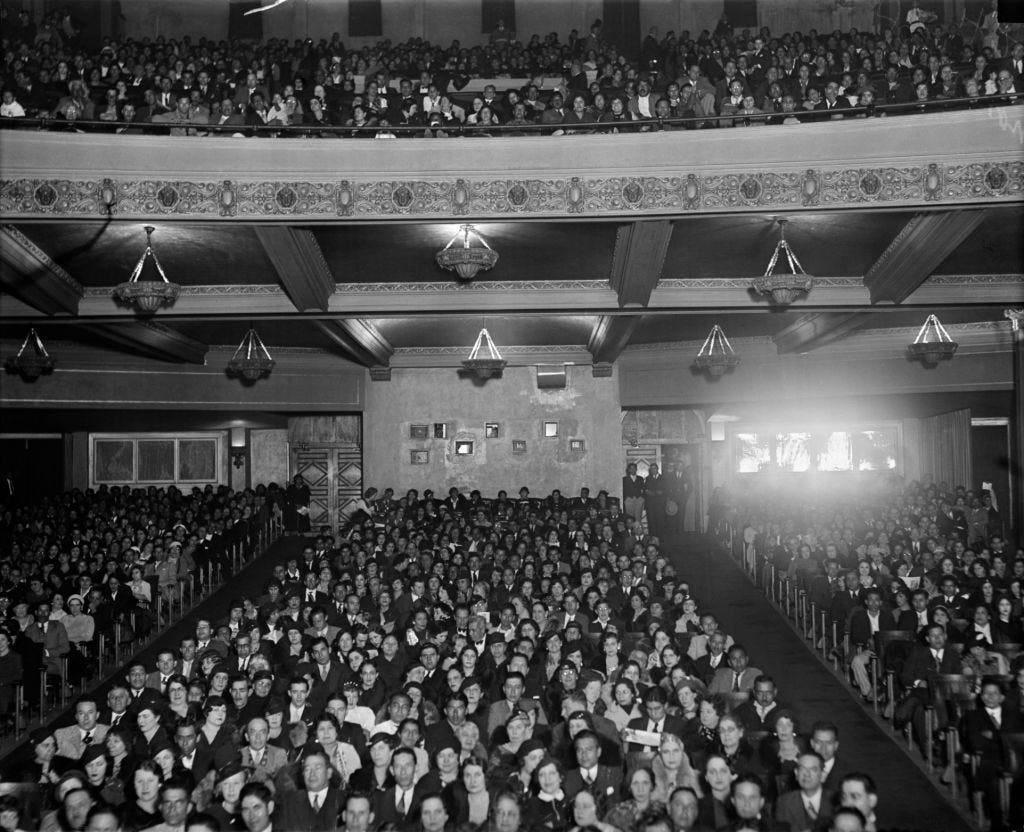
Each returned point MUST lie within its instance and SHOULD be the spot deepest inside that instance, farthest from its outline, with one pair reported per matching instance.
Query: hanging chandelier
(32, 359)
(466, 260)
(484, 359)
(716, 356)
(251, 360)
(784, 288)
(932, 343)
(147, 295)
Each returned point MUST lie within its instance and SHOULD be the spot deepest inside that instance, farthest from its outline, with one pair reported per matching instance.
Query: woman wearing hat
(519, 728)
(45, 766)
(527, 758)
(225, 808)
(96, 764)
(376, 777)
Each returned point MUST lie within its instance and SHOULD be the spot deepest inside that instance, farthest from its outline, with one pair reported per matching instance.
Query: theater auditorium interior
(511, 415)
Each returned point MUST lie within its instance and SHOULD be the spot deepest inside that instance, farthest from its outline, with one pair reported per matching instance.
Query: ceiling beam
(922, 244)
(29, 273)
(610, 336)
(816, 329)
(358, 340)
(300, 266)
(639, 257)
(153, 339)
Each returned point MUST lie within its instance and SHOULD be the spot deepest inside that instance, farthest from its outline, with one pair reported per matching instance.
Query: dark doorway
(31, 468)
(990, 459)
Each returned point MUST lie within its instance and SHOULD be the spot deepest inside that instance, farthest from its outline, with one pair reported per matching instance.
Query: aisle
(907, 798)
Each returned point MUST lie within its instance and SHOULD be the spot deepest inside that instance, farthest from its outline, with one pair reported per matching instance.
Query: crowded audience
(451, 662)
(922, 581)
(540, 85)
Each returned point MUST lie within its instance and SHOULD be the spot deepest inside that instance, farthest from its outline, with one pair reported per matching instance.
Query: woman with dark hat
(225, 808)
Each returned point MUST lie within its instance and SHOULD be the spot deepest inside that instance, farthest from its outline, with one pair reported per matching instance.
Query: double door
(334, 475)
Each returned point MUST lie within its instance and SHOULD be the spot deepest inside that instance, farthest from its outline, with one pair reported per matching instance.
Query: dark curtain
(242, 27)
(742, 14)
(990, 458)
(491, 11)
(365, 19)
(622, 26)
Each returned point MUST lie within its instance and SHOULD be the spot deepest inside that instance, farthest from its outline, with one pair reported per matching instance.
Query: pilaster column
(1016, 317)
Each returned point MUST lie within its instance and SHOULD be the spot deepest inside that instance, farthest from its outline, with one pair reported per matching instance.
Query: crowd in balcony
(543, 85)
(922, 582)
(444, 662)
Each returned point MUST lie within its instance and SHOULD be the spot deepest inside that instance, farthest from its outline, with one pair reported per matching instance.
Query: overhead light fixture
(251, 360)
(932, 343)
(32, 359)
(484, 359)
(784, 288)
(147, 295)
(466, 260)
(716, 356)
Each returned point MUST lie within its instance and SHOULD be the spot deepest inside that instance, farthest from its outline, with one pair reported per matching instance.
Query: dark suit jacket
(293, 811)
(385, 811)
(607, 784)
(921, 665)
(860, 626)
(790, 809)
(703, 669)
(981, 736)
(673, 725)
(148, 698)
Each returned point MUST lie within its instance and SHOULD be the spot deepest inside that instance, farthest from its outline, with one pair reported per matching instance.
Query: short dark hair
(255, 788)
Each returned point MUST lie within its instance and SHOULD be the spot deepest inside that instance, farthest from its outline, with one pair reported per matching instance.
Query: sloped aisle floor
(908, 799)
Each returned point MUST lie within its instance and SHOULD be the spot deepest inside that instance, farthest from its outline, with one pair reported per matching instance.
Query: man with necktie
(920, 675)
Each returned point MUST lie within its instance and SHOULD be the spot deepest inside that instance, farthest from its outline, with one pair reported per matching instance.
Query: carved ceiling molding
(477, 286)
(577, 196)
(514, 349)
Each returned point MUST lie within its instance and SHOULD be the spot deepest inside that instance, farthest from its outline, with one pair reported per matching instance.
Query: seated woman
(639, 787)
(469, 795)
(715, 808)
(671, 768)
(740, 754)
(143, 791)
(547, 806)
(690, 692)
(781, 749)
(444, 772)
(622, 704)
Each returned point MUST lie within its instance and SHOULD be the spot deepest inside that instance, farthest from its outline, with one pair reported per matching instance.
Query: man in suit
(633, 490)
(73, 740)
(982, 732)
(808, 807)
(226, 121)
(194, 761)
(315, 807)
(708, 665)
(188, 665)
(396, 803)
(738, 676)
(920, 673)
(825, 743)
(440, 733)
(327, 674)
(141, 696)
(603, 782)
(117, 711)
(916, 618)
(256, 806)
(205, 640)
(165, 663)
(748, 803)
(570, 612)
(864, 623)
(50, 636)
(264, 760)
(759, 713)
(175, 805)
(513, 688)
(655, 720)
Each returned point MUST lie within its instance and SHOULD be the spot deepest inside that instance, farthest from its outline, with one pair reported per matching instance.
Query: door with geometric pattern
(334, 475)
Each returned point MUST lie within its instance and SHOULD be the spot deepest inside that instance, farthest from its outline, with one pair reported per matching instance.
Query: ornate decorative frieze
(624, 196)
(475, 286)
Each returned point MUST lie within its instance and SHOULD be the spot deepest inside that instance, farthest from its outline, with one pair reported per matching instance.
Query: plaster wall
(268, 456)
(587, 409)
